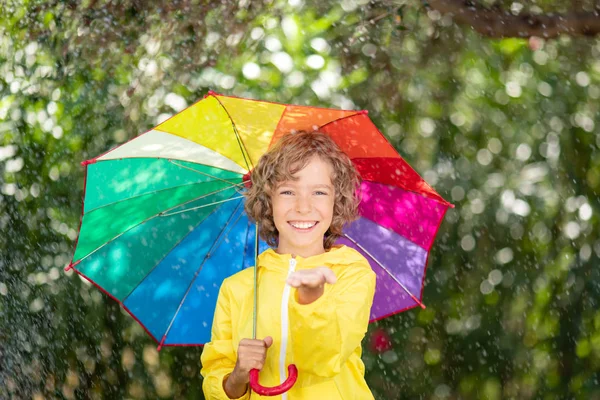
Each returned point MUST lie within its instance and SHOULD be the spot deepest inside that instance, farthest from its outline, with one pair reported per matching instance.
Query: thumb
(268, 341)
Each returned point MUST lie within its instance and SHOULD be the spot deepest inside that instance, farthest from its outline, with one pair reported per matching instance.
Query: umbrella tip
(162, 341)
(87, 162)
(422, 305)
(68, 267)
(365, 112)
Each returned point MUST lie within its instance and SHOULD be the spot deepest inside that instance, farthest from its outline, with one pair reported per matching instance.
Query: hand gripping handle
(275, 390)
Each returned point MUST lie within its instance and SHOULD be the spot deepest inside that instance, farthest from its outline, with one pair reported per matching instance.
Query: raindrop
(585, 212)
(283, 61)
(585, 252)
(315, 61)
(467, 243)
(57, 132)
(443, 391)
(295, 79)
(369, 50)
(572, 230)
(289, 27)
(389, 357)
(211, 38)
(7, 152)
(257, 33)
(495, 277)
(486, 287)
(457, 193)
(426, 127)
(521, 207)
(484, 157)
(513, 89)
(523, 152)
(544, 89)
(495, 145)
(320, 45)
(504, 256)
(9, 189)
(540, 57)
(582, 78)
(175, 101)
(251, 71)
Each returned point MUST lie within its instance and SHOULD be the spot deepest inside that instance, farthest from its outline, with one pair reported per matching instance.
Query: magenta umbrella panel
(395, 233)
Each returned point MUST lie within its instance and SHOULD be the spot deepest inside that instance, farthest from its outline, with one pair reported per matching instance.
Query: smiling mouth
(303, 225)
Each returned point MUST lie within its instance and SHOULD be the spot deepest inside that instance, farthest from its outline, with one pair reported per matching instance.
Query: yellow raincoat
(323, 338)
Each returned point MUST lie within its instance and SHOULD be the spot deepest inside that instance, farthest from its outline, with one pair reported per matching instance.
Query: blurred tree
(499, 20)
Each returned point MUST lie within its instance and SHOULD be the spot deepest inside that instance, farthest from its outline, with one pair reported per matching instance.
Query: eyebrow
(320, 185)
(323, 186)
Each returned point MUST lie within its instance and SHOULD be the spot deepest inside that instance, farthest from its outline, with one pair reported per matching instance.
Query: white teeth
(303, 225)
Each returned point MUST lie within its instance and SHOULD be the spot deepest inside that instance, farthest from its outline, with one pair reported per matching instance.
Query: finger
(252, 343)
(251, 364)
(253, 353)
(327, 274)
(309, 280)
(293, 282)
(268, 341)
(317, 279)
(330, 277)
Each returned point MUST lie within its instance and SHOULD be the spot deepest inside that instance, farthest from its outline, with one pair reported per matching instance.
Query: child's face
(303, 209)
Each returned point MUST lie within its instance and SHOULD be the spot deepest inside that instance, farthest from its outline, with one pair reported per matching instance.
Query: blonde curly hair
(288, 156)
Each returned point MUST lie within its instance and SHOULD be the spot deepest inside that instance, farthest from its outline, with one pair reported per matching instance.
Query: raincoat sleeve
(218, 356)
(327, 331)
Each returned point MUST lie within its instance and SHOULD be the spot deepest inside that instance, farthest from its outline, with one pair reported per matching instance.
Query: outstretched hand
(310, 283)
(311, 278)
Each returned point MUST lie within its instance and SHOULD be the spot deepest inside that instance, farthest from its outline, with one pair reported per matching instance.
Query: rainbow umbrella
(163, 216)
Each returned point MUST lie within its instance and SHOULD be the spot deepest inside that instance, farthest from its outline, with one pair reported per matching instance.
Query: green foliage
(506, 129)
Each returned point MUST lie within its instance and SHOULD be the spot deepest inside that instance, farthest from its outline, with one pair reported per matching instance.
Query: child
(314, 298)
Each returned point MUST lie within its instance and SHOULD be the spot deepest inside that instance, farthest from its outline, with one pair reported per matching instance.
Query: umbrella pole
(254, 316)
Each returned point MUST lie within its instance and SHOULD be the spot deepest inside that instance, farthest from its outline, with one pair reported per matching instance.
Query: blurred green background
(505, 128)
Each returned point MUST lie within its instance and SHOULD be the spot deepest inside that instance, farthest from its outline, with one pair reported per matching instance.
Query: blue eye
(286, 192)
(321, 193)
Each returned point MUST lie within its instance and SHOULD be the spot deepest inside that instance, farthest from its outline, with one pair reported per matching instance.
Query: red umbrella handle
(275, 390)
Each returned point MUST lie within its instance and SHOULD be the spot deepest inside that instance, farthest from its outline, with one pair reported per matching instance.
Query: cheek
(278, 212)
(327, 208)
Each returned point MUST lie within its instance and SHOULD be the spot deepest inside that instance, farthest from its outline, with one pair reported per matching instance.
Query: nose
(303, 204)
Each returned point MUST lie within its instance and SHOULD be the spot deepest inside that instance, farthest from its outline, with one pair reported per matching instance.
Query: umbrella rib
(359, 112)
(217, 243)
(194, 199)
(161, 260)
(146, 220)
(202, 206)
(205, 174)
(386, 270)
(237, 136)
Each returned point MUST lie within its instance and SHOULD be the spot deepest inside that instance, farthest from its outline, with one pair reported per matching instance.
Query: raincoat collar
(336, 255)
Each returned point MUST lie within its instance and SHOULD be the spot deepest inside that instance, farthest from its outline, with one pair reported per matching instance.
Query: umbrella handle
(275, 390)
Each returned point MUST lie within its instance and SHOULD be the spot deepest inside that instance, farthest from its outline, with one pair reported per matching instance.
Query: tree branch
(499, 23)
